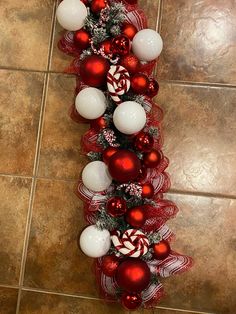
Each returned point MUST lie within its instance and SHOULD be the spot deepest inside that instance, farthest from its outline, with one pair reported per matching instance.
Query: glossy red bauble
(109, 265)
(139, 83)
(97, 6)
(108, 152)
(93, 70)
(153, 88)
(136, 216)
(82, 39)
(143, 141)
(152, 159)
(121, 45)
(124, 166)
(131, 301)
(147, 190)
(129, 30)
(130, 62)
(133, 275)
(106, 45)
(161, 250)
(98, 124)
(116, 206)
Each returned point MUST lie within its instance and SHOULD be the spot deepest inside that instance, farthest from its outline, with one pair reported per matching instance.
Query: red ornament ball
(130, 62)
(133, 275)
(147, 190)
(109, 265)
(106, 45)
(116, 206)
(93, 70)
(129, 30)
(136, 216)
(98, 124)
(144, 141)
(152, 159)
(124, 166)
(108, 152)
(98, 5)
(139, 83)
(153, 88)
(161, 250)
(82, 39)
(131, 301)
(121, 45)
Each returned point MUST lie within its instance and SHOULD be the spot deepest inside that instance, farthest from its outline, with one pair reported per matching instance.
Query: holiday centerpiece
(124, 183)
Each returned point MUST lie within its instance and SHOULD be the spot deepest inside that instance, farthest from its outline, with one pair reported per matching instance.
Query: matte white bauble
(71, 14)
(129, 117)
(94, 242)
(147, 44)
(96, 177)
(90, 103)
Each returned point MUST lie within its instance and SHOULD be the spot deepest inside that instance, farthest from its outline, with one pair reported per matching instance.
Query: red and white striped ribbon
(118, 82)
(133, 243)
(175, 263)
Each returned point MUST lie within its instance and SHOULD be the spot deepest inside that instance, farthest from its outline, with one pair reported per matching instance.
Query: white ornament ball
(94, 242)
(129, 117)
(96, 177)
(71, 14)
(147, 45)
(90, 103)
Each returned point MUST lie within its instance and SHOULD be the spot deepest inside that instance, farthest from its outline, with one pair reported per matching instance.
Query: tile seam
(171, 191)
(175, 82)
(36, 162)
(78, 296)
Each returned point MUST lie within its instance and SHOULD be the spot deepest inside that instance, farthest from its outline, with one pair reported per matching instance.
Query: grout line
(198, 84)
(201, 194)
(36, 163)
(159, 16)
(2, 68)
(76, 296)
(182, 310)
(171, 191)
(9, 286)
(15, 175)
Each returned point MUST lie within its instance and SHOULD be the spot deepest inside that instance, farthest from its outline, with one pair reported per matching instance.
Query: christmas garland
(122, 187)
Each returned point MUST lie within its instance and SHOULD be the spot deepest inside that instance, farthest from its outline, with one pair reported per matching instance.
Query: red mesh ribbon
(157, 215)
(161, 210)
(174, 264)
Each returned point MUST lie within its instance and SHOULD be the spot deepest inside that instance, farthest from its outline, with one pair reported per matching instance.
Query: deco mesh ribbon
(128, 243)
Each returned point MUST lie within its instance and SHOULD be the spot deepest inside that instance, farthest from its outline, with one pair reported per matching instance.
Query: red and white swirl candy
(118, 82)
(133, 243)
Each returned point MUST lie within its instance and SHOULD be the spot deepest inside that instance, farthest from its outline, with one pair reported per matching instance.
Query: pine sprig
(105, 221)
(154, 237)
(154, 131)
(94, 156)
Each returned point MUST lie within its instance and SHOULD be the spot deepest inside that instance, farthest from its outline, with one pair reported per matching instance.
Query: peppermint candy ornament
(133, 243)
(118, 82)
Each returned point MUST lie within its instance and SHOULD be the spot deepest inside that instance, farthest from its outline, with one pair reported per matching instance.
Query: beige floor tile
(14, 202)
(60, 155)
(199, 127)
(26, 26)
(20, 101)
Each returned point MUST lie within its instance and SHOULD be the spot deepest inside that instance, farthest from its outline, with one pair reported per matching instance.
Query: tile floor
(41, 270)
